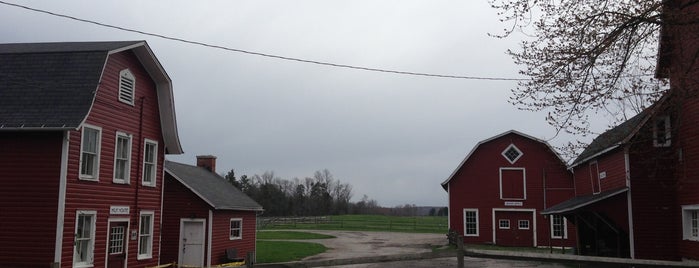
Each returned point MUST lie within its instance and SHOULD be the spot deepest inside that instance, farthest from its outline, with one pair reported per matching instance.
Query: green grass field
(424, 224)
(290, 235)
(285, 251)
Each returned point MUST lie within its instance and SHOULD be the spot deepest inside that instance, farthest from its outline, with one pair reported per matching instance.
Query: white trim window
(470, 222)
(84, 244)
(236, 229)
(523, 224)
(150, 162)
(690, 222)
(662, 132)
(122, 158)
(504, 224)
(145, 235)
(559, 228)
(127, 87)
(90, 152)
(512, 153)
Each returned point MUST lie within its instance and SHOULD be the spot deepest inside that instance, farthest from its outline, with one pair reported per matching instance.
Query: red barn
(637, 185)
(204, 215)
(84, 129)
(499, 189)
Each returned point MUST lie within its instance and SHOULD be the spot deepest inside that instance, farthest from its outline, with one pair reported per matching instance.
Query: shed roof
(211, 187)
(52, 86)
(575, 203)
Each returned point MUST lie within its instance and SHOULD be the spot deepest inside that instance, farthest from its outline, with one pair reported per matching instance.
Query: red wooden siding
(476, 185)
(512, 183)
(653, 186)
(612, 165)
(221, 234)
(112, 116)
(30, 164)
(178, 203)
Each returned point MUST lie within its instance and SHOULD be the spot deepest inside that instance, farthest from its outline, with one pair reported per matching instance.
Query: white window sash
(122, 158)
(85, 241)
(150, 163)
(145, 235)
(238, 229)
(90, 148)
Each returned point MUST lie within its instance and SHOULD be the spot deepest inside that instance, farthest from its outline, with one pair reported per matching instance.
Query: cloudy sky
(393, 137)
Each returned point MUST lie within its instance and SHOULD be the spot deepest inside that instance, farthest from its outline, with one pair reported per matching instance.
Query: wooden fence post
(460, 252)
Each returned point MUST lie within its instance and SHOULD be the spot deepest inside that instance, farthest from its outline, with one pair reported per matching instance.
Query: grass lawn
(290, 235)
(285, 251)
(421, 224)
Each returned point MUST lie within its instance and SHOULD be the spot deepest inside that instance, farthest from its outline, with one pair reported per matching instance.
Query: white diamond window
(512, 153)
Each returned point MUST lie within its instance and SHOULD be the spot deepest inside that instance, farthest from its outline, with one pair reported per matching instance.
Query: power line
(338, 65)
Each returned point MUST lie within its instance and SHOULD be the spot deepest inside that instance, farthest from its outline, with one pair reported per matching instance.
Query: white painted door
(192, 243)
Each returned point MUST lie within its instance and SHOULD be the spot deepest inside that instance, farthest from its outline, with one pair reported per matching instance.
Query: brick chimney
(207, 162)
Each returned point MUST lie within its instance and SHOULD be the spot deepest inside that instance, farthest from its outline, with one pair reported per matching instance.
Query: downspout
(543, 179)
(60, 215)
(627, 166)
(140, 155)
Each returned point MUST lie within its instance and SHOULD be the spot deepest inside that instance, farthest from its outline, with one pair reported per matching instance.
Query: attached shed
(204, 216)
(498, 190)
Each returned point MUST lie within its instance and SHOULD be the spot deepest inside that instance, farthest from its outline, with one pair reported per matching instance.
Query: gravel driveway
(353, 244)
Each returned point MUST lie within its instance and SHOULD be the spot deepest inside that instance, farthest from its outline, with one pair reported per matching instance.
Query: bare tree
(585, 57)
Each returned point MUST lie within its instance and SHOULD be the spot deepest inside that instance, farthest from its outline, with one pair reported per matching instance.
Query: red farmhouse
(637, 185)
(84, 129)
(204, 216)
(499, 189)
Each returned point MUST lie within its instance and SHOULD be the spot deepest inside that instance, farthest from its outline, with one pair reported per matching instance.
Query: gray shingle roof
(211, 187)
(50, 85)
(612, 137)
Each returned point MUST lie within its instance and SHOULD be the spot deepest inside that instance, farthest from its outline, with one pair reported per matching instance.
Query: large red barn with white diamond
(497, 192)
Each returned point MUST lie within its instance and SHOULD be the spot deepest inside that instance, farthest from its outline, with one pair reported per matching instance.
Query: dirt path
(353, 244)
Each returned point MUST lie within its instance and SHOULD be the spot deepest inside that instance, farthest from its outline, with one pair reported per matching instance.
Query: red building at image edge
(84, 130)
(635, 188)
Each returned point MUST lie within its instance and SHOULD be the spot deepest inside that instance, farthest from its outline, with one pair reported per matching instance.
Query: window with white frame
(523, 224)
(150, 162)
(83, 253)
(558, 227)
(662, 132)
(145, 235)
(127, 86)
(117, 235)
(690, 222)
(90, 152)
(122, 158)
(470, 222)
(512, 153)
(504, 224)
(236, 229)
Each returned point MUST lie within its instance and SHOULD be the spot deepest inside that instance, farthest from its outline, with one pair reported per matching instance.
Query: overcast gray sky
(392, 137)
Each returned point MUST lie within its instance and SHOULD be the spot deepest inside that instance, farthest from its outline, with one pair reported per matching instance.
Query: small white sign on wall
(602, 174)
(513, 203)
(119, 210)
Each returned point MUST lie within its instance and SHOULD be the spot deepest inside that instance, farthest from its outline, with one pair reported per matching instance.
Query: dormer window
(127, 86)
(662, 132)
(512, 153)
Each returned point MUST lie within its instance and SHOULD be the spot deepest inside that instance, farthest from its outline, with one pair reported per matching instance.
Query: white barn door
(192, 242)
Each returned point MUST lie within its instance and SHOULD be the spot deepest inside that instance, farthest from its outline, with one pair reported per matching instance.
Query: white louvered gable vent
(127, 86)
